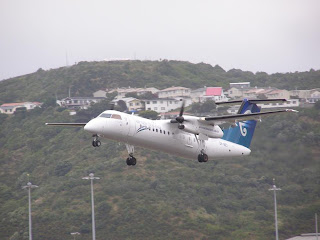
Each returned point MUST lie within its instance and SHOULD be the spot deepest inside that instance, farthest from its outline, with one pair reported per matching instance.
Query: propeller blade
(180, 118)
(112, 106)
(182, 109)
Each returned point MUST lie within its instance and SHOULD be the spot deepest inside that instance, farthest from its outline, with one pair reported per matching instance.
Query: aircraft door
(128, 126)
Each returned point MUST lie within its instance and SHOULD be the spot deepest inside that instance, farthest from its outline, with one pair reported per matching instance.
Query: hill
(88, 77)
(162, 197)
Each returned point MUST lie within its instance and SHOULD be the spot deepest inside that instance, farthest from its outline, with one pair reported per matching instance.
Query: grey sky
(270, 35)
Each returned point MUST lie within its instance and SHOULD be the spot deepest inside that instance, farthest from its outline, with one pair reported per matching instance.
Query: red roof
(18, 104)
(213, 91)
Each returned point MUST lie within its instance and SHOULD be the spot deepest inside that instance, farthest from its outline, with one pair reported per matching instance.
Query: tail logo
(243, 130)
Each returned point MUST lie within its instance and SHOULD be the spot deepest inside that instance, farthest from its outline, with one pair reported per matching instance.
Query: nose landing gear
(131, 160)
(96, 142)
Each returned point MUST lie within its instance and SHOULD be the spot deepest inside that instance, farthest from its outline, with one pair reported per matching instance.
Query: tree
(317, 105)
(49, 102)
(132, 94)
(149, 114)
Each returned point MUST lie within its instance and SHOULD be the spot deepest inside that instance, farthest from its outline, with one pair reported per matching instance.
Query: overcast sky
(271, 35)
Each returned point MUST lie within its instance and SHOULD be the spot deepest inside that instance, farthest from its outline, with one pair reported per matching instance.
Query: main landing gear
(131, 160)
(96, 142)
(202, 157)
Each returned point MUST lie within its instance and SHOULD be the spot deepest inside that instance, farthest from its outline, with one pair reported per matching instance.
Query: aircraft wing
(242, 117)
(67, 124)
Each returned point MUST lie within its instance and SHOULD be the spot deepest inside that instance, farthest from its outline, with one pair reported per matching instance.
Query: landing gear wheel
(96, 143)
(203, 157)
(131, 161)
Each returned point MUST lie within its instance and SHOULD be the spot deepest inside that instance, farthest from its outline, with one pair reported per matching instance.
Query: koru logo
(243, 129)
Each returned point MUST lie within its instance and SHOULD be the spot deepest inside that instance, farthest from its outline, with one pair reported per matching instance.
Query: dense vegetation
(163, 196)
(88, 77)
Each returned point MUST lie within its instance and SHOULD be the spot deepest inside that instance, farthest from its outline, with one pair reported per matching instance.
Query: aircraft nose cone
(90, 127)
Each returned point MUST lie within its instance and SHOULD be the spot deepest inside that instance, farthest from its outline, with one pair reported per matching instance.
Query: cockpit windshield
(116, 116)
(108, 115)
(105, 115)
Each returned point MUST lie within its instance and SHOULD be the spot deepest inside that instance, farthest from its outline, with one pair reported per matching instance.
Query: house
(203, 94)
(10, 108)
(133, 104)
(235, 93)
(253, 93)
(173, 92)
(314, 97)
(300, 93)
(215, 93)
(165, 104)
(197, 94)
(240, 85)
(78, 102)
(139, 91)
(100, 93)
(276, 93)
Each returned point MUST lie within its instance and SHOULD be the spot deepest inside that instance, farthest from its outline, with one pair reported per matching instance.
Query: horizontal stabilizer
(256, 101)
(67, 124)
(246, 116)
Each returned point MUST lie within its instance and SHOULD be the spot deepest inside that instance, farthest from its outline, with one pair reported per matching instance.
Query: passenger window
(164, 132)
(156, 130)
(105, 115)
(160, 131)
(116, 116)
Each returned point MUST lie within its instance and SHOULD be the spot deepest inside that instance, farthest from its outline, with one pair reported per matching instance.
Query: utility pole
(316, 219)
(91, 177)
(274, 189)
(29, 186)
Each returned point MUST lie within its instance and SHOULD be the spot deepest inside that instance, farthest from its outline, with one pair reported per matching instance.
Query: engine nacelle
(211, 131)
(208, 130)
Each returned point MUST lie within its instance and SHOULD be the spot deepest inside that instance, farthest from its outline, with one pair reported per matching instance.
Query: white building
(216, 94)
(139, 91)
(213, 93)
(173, 92)
(240, 85)
(165, 104)
(100, 93)
(314, 97)
(133, 104)
(78, 102)
(235, 93)
(197, 94)
(10, 108)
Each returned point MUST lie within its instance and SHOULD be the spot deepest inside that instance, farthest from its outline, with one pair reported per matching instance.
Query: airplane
(186, 136)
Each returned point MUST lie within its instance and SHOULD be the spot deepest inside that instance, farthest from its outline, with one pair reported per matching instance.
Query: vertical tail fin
(242, 133)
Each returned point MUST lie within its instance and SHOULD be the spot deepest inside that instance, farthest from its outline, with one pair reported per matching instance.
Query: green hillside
(163, 196)
(88, 77)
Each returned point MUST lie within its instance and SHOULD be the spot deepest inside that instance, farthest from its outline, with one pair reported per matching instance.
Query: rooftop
(173, 88)
(213, 91)
(18, 104)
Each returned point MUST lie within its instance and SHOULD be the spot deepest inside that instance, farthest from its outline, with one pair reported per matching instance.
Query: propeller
(180, 118)
(111, 105)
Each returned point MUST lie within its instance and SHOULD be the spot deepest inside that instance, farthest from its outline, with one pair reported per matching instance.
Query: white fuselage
(160, 135)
